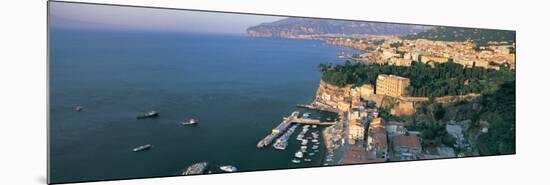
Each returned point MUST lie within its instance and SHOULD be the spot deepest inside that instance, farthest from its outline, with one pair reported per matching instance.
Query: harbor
(287, 121)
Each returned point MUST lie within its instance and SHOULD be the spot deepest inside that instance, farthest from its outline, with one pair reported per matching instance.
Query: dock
(314, 106)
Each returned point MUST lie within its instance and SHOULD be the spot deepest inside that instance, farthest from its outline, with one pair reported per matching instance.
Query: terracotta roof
(406, 141)
(359, 155)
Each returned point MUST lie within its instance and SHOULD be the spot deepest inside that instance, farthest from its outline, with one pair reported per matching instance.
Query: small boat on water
(314, 126)
(150, 114)
(228, 168)
(306, 115)
(191, 121)
(299, 154)
(341, 55)
(142, 148)
(311, 154)
(195, 169)
(78, 108)
(307, 160)
(295, 161)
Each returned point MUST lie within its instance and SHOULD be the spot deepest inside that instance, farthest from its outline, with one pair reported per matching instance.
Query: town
(392, 50)
(411, 93)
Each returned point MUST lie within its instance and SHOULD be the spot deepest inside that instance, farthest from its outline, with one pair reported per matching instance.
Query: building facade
(391, 85)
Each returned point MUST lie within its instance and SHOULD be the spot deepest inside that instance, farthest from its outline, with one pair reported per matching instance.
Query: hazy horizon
(123, 18)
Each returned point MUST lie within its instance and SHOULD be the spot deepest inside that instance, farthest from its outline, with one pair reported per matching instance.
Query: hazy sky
(86, 16)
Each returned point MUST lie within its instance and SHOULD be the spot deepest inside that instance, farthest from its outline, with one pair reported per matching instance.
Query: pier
(314, 106)
(275, 132)
(310, 121)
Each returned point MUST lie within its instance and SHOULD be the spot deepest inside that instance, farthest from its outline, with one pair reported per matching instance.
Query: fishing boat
(295, 161)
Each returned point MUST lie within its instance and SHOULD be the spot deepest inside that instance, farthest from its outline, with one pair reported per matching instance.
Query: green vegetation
(499, 109)
(434, 135)
(478, 36)
(387, 104)
(426, 81)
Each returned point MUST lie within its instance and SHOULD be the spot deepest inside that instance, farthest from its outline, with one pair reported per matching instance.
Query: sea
(238, 87)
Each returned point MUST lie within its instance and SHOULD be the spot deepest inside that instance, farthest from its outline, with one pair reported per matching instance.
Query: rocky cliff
(296, 27)
(333, 96)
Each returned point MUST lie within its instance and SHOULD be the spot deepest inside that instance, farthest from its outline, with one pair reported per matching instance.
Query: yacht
(150, 114)
(191, 121)
(141, 148)
(228, 168)
(78, 108)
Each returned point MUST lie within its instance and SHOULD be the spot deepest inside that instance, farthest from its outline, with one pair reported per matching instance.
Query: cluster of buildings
(395, 51)
(372, 140)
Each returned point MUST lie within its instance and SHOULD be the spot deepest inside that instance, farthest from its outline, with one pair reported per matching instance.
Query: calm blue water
(239, 88)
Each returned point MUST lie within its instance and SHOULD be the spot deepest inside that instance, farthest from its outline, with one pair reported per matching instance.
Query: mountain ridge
(291, 27)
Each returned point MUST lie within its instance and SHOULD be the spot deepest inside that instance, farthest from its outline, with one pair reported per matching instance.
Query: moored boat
(195, 169)
(299, 154)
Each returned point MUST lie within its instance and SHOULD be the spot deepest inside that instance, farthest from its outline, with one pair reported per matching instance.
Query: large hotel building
(391, 85)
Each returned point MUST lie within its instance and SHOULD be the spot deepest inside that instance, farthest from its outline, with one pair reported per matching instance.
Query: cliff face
(333, 96)
(295, 27)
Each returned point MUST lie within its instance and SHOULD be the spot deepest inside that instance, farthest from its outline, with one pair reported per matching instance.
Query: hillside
(290, 27)
(480, 36)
